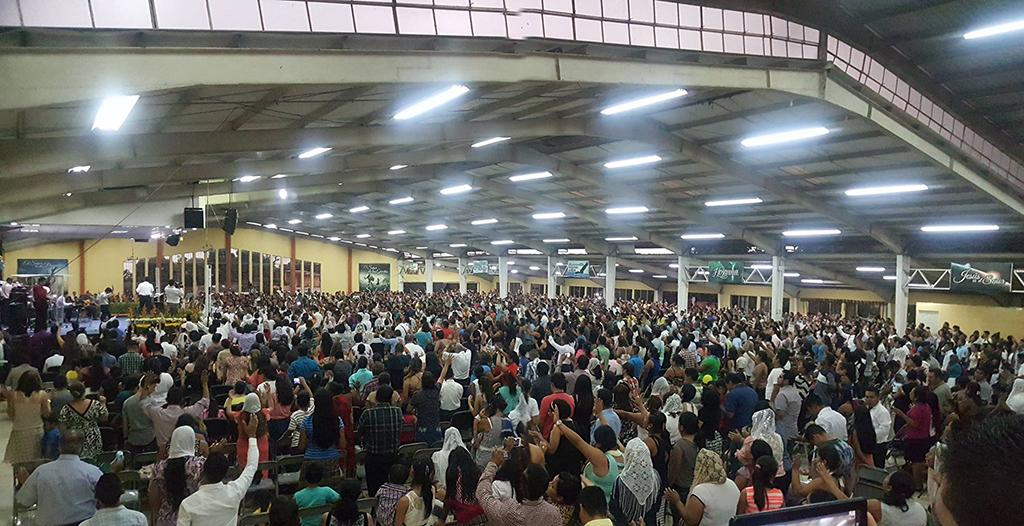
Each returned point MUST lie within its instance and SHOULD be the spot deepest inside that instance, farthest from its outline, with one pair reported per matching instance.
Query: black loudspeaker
(230, 221)
(194, 218)
(173, 239)
(18, 318)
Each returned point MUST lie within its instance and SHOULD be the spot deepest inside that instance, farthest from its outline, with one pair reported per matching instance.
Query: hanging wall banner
(480, 266)
(725, 272)
(980, 277)
(577, 269)
(374, 277)
(42, 267)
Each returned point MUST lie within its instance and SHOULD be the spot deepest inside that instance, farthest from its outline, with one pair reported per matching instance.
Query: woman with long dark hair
(461, 478)
(322, 435)
(760, 495)
(176, 477)
(26, 407)
(583, 395)
(710, 416)
(863, 439)
(414, 508)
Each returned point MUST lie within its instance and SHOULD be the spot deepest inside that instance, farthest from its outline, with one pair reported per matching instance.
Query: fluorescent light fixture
(811, 232)
(870, 269)
(785, 136)
(398, 167)
(529, 177)
(959, 228)
(549, 215)
(358, 209)
(431, 102)
(673, 265)
(889, 278)
(534, 267)
(325, 215)
(515, 271)
(644, 101)
(636, 271)
(812, 281)
(248, 178)
(999, 29)
(271, 226)
(395, 232)
(294, 221)
(154, 235)
(632, 161)
(733, 202)
(488, 142)
(791, 274)
(421, 248)
(79, 169)
(318, 235)
(760, 266)
(401, 200)
(283, 229)
(68, 194)
(313, 152)
(708, 235)
(502, 242)
(623, 238)
(113, 112)
(488, 221)
(118, 231)
(626, 210)
(279, 176)
(35, 230)
(334, 238)
(884, 190)
(439, 226)
(363, 236)
(302, 233)
(559, 264)
(460, 189)
(510, 263)
(282, 193)
(656, 251)
(659, 276)
(457, 245)
(556, 240)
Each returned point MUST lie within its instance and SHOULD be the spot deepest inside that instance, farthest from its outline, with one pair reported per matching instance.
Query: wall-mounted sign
(725, 272)
(374, 277)
(980, 277)
(480, 266)
(577, 269)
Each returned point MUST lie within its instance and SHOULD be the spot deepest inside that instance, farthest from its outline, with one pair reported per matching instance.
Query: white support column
(778, 286)
(657, 295)
(463, 283)
(902, 293)
(429, 271)
(551, 277)
(207, 301)
(502, 276)
(682, 284)
(609, 281)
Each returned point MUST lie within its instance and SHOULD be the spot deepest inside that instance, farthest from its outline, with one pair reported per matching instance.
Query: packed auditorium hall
(511, 262)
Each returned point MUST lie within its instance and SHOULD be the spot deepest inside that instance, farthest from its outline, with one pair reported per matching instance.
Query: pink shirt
(922, 415)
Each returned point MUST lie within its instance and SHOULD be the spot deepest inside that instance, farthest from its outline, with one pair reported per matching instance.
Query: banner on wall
(408, 267)
(986, 278)
(42, 267)
(374, 277)
(725, 272)
(480, 266)
(576, 269)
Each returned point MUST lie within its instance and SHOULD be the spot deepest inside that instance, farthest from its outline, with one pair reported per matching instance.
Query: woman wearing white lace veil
(1016, 399)
(452, 441)
(636, 491)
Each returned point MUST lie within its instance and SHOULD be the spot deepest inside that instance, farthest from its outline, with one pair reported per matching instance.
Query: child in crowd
(389, 494)
(299, 416)
(346, 510)
(314, 494)
(51, 438)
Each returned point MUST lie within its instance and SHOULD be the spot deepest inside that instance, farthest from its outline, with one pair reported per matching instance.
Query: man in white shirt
(831, 421)
(881, 420)
(172, 297)
(562, 349)
(460, 357)
(773, 376)
(216, 503)
(145, 290)
(450, 395)
(414, 349)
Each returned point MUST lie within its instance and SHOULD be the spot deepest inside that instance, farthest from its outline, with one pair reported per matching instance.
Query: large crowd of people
(533, 410)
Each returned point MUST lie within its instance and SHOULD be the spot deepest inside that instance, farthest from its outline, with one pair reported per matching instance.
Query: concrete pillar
(503, 276)
(778, 286)
(429, 272)
(682, 284)
(902, 293)
(722, 300)
(551, 277)
(463, 277)
(609, 281)
(657, 295)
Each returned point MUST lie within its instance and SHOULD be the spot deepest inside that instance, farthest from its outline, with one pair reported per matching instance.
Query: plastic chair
(111, 438)
(141, 460)
(289, 469)
(426, 453)
(406, 452)
(220, 429)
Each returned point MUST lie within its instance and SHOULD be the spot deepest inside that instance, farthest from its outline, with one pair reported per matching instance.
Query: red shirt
(921, 414)
(546, 421)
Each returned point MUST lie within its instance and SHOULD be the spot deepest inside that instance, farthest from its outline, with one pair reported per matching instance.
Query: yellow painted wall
(1009, 321)
(359, 256)
(450, 276)
(67, 250)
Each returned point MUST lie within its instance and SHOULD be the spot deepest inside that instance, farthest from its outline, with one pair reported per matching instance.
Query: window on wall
(188, 274)
(744, 302)
(286, 281)
(704, 299)
(643, 295)
(593, 292)
(266, 263)
(536, 288)
(316, 276)
(128, 277)
(472, 286)
(246, 277)
(577, 292)
(307, 275)
(515, 287)
(623, 294)
(817, 306)
(415, 287)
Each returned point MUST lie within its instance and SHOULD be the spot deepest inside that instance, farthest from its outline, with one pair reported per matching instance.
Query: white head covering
(452, 441)
(674, 404)
(763, 428)
(661, 387)
(1016, 399)
(82, 339)
(252, 403)
(638, 471)
(183, 443)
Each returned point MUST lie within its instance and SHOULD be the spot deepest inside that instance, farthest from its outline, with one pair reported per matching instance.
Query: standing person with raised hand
(602, 468)
(176, 477)
(216, 503)
(713, 497)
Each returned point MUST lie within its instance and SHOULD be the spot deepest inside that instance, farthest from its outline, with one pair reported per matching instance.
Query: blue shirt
(361, 377)
(304, 367)
(613, 422)
(63, 489)
(313, 497)
(315, 452)
(740, 402)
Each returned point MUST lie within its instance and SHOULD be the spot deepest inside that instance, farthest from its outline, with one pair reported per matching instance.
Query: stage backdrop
(374, 277)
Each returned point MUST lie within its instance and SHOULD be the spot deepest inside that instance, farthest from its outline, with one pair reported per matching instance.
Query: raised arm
(592, 454)
(237, 487)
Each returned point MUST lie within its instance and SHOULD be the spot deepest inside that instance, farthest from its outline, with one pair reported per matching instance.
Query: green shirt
(710, 365)
(313, 497)
(603, 354)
